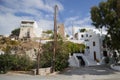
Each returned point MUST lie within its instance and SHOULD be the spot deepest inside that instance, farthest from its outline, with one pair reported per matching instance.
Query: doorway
(95, 55)
(81, 61)
(105, 53)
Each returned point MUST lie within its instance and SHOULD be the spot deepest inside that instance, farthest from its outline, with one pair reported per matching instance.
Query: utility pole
(55, 38)
(38, 58)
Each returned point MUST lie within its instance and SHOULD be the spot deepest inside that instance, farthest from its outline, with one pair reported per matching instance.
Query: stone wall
(42, 71)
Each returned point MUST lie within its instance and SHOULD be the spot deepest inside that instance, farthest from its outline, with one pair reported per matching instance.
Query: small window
(87, 47)
(58, 26)
(82, 36)
(86, 35)
(93, 43)
(86, 40)
(90, 35)
(105, 53)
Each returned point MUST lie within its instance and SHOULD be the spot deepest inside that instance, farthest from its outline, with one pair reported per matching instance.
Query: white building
(29, 29)
(94, 51)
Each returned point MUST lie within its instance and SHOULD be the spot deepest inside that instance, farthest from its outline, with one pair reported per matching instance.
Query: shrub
(22, 63)
(62, 54)
(5, 63)
(14, 62)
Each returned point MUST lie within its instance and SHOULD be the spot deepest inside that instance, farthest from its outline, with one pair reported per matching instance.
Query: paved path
(83, 73)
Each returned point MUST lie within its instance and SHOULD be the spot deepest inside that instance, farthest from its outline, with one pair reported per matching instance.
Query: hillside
(6, 44)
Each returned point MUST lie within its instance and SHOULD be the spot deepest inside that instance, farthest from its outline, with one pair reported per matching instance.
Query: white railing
(76, 60)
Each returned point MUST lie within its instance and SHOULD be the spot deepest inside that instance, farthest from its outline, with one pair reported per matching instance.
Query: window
(58, 26)
(82, 36)
(86, 40)
(90, 35)
(93, 43)
(86, 35)
(95, 56)
(87, 47)
(105, 53)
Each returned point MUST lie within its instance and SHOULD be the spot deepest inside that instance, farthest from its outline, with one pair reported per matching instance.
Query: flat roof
(25, 22)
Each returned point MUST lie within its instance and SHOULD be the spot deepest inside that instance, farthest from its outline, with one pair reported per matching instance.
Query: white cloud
(70, 20)
(38, 10)
(78, 22)
(21, 5)
(83, 21)
(8, 22)
(45, 24)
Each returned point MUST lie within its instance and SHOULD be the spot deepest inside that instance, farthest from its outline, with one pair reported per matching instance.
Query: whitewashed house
(94, 51)
(29, 29)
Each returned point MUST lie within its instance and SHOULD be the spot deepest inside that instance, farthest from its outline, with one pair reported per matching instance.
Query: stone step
(91, 61)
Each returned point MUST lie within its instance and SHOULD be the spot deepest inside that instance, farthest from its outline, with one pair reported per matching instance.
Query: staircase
(74, 61)
(91, 62)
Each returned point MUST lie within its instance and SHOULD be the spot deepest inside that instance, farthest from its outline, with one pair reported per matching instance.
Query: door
(105, 53)
(94, 55)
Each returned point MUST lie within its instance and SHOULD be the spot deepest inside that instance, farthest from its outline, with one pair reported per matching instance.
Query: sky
(70, 12)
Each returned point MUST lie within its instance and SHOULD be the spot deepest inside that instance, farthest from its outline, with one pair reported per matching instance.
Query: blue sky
(71, 12)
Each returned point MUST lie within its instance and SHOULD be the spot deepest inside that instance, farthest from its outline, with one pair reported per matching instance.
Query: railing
(84, 58)
(76, 61)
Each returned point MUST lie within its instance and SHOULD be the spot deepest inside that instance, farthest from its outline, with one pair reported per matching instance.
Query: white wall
(32, 28)
(89, 37)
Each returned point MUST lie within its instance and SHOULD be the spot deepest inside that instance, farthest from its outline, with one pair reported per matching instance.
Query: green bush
(22, 63)
(5, 63)
(62, 54)
(14, 62)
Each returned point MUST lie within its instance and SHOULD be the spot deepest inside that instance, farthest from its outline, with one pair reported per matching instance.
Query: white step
(91, 61)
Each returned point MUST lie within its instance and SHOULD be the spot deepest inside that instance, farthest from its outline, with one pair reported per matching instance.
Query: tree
(107, 15)
(67, 35)
(62, 54)
(82, 30)
(15, 32)
(48, 32)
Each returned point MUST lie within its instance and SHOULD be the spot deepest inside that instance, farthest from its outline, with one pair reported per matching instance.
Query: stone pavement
(83, 73)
